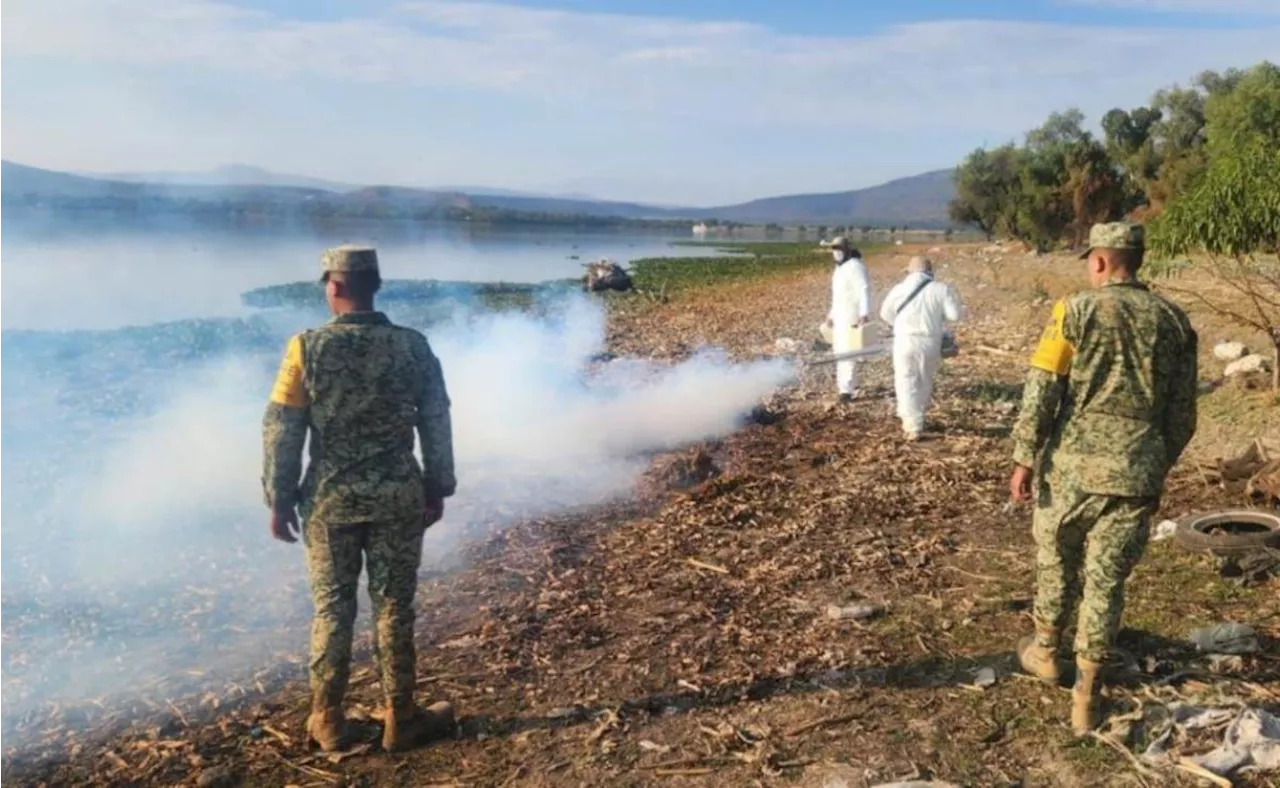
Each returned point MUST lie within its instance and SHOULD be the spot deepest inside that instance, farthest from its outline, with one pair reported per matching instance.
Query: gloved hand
(284, 525)
(432, 512)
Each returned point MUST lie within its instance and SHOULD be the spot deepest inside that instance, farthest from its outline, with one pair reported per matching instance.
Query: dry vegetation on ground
(681, 638)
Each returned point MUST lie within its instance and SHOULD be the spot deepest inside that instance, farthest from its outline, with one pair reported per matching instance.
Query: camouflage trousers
(392, 552)
(1086, 546)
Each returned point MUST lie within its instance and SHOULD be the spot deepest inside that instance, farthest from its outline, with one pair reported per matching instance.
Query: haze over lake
(97, 273)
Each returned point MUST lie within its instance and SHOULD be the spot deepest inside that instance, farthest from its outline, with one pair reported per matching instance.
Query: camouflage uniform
(360, 386)
(1109, 406)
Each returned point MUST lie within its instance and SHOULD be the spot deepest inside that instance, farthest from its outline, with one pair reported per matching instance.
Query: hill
(227, 175)
(19, 179)
(918, 201)
(249, 175)
(22, 181)
(562, 205)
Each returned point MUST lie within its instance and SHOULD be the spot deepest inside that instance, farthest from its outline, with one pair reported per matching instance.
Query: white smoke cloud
(167, 512)
(533, 432)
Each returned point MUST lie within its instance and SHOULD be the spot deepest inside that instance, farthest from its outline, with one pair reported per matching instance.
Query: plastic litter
(1229, 351)
(1228, 637)
(1251, 740)
(1246, 365)
(852, 612)
(985, 677)
(1164, 530)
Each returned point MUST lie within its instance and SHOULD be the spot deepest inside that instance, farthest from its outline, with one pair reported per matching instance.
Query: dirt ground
(681, 637)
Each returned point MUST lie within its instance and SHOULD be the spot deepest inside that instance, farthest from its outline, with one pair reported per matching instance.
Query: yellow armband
(290, 388)
(1054, 353)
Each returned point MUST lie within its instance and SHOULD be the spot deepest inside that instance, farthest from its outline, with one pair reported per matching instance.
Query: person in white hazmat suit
(851, 299)
(918, 308)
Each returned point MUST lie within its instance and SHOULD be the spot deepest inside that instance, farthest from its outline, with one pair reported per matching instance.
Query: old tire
(1253, 530)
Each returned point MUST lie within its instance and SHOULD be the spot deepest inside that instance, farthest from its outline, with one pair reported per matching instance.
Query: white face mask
(838, 255)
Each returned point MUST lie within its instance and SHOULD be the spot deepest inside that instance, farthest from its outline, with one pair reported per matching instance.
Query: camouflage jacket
(360, 386)
(1110, 400)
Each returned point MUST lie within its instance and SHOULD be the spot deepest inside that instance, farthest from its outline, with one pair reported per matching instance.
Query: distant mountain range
(248, 175)
(917, 201)
(227, 175)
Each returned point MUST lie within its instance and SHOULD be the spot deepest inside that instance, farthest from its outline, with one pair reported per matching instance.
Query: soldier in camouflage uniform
(360, 386)
(1109, 406)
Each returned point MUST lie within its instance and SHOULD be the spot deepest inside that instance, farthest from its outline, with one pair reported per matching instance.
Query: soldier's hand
(432, 511)
(1020, 484)
(284, 525)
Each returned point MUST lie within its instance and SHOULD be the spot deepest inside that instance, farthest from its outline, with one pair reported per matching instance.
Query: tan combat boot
(1086, 703)
(1040, 661)
(406, 725)
(327, 727)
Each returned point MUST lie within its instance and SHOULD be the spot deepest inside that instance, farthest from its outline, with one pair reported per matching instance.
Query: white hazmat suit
(850, 306)
(917, 341)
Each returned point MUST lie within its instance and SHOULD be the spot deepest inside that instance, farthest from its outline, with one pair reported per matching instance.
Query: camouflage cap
(1115, 235)
(348, 258)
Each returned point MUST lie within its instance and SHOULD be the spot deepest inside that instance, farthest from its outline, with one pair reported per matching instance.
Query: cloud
(1219, 7)
(965, 74)
(536, 98)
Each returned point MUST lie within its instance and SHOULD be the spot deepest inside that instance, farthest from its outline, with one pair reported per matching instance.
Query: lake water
(98, 273)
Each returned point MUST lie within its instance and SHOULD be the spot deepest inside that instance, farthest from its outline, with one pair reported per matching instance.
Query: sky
(678, 102)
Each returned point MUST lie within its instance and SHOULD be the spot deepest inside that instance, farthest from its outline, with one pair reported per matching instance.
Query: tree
(1060, 131)
(988, 190)
(1211, 83)
(1044, 209)
(1178, 136)
(1128, 141)
(1094, 186)
(1249, 113)
(1160, 149)
(1181, 124)
(1055, 186)
(1234, 217)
